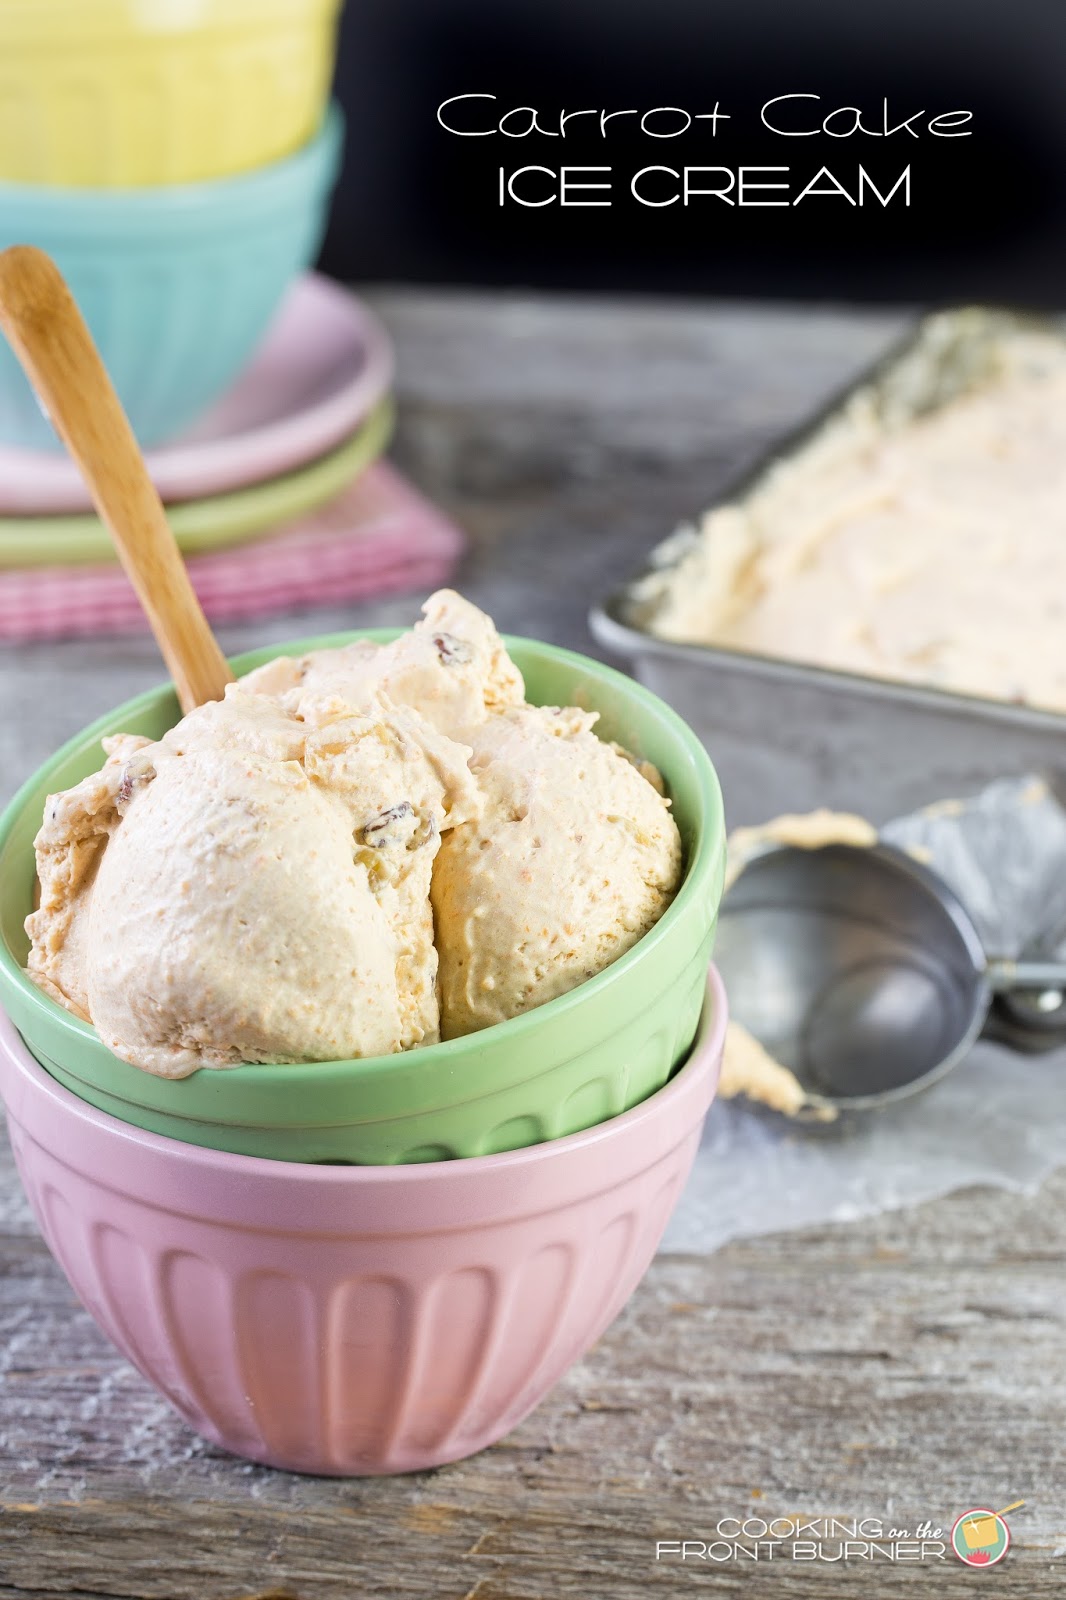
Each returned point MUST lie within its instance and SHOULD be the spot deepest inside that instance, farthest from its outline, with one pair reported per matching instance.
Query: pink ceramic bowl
(354, 1320)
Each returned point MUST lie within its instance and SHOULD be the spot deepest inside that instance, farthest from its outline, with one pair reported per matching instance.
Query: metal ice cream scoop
(861, 971)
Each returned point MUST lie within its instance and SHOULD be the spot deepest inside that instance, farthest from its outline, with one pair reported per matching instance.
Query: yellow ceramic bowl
(133, 93)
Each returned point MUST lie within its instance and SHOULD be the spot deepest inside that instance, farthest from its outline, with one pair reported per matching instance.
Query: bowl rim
(705, 1056)
(708, 856)
(81, 209)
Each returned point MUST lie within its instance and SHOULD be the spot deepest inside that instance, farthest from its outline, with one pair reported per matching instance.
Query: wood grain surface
(905, 1369)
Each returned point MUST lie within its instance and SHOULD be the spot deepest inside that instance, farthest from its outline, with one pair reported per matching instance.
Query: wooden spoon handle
(48, 335)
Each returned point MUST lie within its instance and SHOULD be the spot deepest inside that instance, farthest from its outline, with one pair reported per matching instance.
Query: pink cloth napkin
(379, 536)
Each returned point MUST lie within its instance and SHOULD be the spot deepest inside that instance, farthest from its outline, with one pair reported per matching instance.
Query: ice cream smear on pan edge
(353, 853)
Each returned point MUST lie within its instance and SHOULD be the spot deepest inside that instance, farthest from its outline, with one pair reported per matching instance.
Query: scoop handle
(1030, 1006)
(48, 335)
(1008, 976)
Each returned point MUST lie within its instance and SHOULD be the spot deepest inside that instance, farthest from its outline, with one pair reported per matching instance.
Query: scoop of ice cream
(70, 844)
(574, 856)
(252, 887)
(275, 879)
(452, 666)
(523, 912)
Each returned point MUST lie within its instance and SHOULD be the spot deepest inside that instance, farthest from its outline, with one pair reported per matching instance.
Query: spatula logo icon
(980, 1537)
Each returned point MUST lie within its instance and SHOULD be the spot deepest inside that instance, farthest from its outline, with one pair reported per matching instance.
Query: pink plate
(325, 362)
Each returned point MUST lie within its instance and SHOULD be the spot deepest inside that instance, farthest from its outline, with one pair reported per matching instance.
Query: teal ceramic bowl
(569, 1064)
(177, 283)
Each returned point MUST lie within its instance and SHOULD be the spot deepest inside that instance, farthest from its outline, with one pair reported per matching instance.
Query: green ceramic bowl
(567, 1065)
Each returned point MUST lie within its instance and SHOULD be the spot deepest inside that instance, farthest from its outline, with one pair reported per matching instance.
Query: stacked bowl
(177, 161)
(373, 1266)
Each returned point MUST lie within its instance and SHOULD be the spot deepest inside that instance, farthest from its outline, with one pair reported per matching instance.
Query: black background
(988, 212)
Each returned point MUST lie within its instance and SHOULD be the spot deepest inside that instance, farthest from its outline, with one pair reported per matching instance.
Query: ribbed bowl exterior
(353, 1321)
(177, 285)
(119, 94)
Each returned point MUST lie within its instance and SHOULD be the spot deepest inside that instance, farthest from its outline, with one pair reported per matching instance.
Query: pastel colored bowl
(177, 285)
(208, 524)
(354, 1320)
(120, 93)
(564, 1066)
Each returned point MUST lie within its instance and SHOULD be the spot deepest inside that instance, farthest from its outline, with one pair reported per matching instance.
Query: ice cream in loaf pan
(920, 545)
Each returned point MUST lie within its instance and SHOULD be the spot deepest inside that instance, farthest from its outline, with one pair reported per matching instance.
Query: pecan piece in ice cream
(452, 651)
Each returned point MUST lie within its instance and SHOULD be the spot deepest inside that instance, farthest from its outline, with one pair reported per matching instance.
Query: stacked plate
(277, 495)
(177, 162)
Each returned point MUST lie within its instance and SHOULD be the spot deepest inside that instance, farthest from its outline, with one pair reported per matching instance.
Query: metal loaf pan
(789, 737)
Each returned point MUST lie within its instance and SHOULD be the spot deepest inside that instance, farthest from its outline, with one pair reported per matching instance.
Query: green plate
(201, 525)
(564, 1066)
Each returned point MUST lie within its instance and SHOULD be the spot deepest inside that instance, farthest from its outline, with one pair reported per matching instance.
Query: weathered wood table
(903, 1370)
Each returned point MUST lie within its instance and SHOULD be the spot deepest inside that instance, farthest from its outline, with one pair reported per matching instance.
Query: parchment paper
(999, 1118)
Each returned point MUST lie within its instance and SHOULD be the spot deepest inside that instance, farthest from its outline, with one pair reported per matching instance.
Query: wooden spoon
(48, 335)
